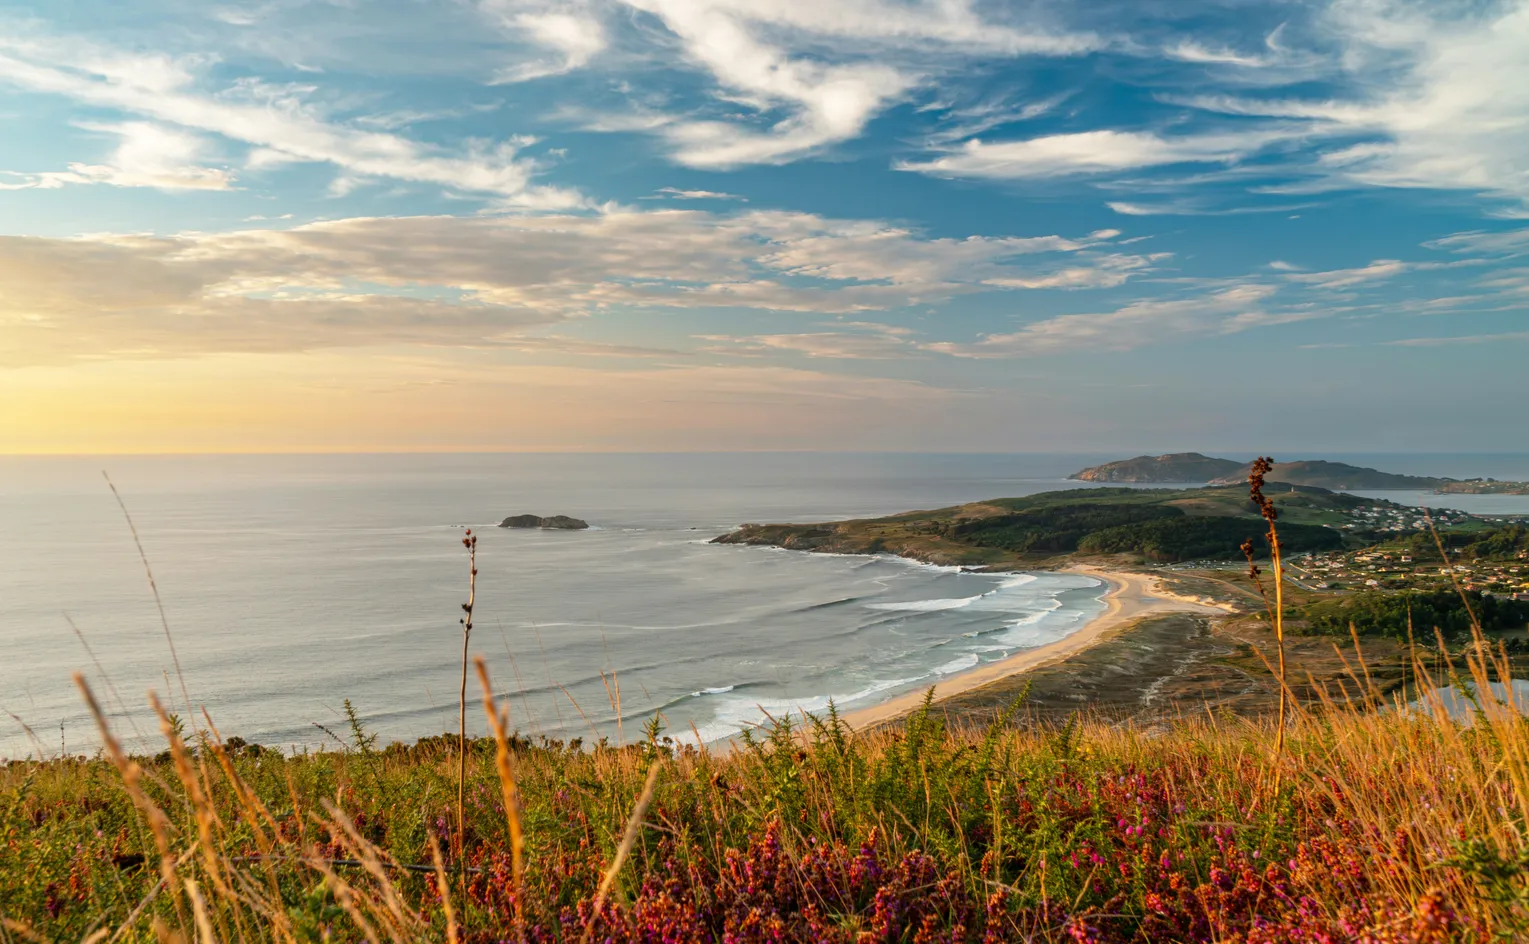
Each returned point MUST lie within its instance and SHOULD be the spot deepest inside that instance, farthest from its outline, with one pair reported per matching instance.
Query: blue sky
(724, 224)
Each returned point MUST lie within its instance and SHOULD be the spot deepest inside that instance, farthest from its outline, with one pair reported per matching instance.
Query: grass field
(1373, 826)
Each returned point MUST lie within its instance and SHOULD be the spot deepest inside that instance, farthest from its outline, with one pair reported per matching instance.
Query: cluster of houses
(1376, 568)
(1396, 518)
(1384, 568)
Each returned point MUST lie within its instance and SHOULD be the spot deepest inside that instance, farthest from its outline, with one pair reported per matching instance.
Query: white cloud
(1377, 271)
(865, 341)
(148, 155)
(1503, 243)
(831, 67)
(1188, 50)
(1137, 324)
(677, 194)
(277, 122)
(1275, 64)
(568, 28)
(1091, 152)
(484, 280)
(829, 103)
(972, 120)
(1188, 207)
(1466, 339)
(1441, 97)
(950, 23)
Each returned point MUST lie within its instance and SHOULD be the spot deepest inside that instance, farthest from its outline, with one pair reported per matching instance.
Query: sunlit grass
(1400, 826)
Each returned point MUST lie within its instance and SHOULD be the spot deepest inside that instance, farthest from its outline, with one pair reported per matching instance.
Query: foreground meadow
(1369, 826)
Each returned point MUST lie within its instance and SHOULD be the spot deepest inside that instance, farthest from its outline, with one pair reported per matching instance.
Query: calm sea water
(293, 583)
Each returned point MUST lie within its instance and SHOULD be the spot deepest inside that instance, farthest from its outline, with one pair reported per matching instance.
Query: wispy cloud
(1092, 152)
(1440, 97)
(675, 193)
(276, 122)
(850, 341)
(485, 280)
(1225, 311)
(569, 29)
(961, 123)
(147, 155)
(1190, 207)
(1465, 339)
(1377, 271)
(1506, 243)
(830, 67)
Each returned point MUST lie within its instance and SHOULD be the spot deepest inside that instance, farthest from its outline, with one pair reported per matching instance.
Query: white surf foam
(926, 606)
(958, 665)
(736, 713)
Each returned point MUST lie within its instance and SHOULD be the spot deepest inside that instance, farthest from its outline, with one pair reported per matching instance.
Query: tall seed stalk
(469, 541)
(1261, 467)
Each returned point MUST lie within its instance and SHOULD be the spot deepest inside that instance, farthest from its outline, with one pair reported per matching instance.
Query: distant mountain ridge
(1183, 467)
(1193, 467)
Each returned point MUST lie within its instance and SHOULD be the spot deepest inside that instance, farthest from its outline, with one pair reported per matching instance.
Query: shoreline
(1131, 596)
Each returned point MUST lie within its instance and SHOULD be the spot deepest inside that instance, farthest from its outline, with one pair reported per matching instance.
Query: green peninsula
(1179, 467)
(1159, 525)
(1483, 487)
(1337, 475)
(1192, 467)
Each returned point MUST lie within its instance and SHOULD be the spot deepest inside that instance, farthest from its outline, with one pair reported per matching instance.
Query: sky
(694, 225)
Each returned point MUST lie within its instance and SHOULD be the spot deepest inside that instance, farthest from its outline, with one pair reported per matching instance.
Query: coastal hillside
(1177, 467)
(1483, 487)
(1335, 475)
(1163, 525)
(1192, 467)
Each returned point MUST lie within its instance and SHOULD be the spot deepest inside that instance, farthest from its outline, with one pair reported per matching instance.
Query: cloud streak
(756, 53)
(276, 122)
(1092, 152)
(486, 280)
(1225, 311)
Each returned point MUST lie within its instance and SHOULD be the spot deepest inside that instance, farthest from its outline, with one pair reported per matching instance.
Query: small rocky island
(554, 523)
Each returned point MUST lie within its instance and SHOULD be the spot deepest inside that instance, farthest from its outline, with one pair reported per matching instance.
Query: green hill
(1155, 524)
(1178, 467)
(1192, 467)
(1337, 475)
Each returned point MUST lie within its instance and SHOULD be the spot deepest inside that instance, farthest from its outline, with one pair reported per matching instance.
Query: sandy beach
(1131, 597)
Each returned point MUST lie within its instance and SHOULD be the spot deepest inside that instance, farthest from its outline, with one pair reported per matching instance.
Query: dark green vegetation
(1508, 543)
(1153, 524)
(1418, 613)
(1186, 538)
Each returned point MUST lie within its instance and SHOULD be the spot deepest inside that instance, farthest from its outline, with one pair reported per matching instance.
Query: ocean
(294, 583)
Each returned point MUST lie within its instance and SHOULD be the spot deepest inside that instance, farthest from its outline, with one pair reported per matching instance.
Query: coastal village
(1379, 568)
(1390, 562)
